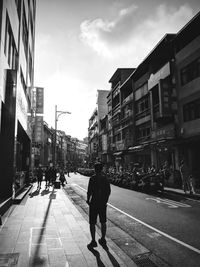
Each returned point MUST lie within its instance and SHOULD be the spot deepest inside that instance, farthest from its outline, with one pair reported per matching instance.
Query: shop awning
(136, 148)
(117, 153)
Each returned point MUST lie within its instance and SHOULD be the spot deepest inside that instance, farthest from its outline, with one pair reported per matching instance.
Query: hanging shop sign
(38, 129)
(165, 132)
(39, 100)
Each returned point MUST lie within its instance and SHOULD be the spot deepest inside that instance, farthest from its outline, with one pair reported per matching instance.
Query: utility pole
(57, 114)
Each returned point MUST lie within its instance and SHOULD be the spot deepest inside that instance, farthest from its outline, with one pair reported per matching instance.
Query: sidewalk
(46, 229)
(181, 192)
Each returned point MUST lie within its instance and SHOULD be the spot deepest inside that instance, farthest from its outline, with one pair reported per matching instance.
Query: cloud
(100, 33)
(131, 36)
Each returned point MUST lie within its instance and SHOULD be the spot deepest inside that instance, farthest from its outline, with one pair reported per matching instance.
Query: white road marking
(170, 203)
(153, 228)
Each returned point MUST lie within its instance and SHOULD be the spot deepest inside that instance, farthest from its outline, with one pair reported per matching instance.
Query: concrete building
(163, 105)
(94, 125)
(154, 110)
(120, 111)
(17, 37)
(187, 59)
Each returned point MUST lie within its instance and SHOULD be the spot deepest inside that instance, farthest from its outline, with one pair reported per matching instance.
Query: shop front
(189, 150)
(141, 154)
(22, 158)
(7, 136)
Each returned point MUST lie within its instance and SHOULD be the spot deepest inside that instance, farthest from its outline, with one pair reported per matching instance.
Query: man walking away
(39, 177)
(47, 176)
(97, 198)
(62, 178)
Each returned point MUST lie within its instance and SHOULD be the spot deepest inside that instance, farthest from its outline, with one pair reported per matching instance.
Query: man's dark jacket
(98, 190)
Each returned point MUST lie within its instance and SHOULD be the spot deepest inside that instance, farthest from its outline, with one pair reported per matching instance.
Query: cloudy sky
(81, 43)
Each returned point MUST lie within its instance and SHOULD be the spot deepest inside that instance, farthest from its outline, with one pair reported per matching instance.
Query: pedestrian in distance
(185, 175)
(53, 175)
(68, 169)
(62, 178)
(39, 177)
(47, 176)
(97, 197)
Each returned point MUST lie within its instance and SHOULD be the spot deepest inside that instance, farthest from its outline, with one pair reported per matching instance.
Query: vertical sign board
(104, 142)
(166, 96)
(39, 129)
(39, 100)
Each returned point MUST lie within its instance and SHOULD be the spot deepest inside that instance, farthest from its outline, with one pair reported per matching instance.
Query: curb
(173, 191)
(21, 196)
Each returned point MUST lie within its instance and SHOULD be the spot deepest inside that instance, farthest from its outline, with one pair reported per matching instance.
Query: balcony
(142, 114)
(161, 116)
(127, 100)
(116, 87)
(143, 139)
(128, 115)
(116, 110)
(127, 124)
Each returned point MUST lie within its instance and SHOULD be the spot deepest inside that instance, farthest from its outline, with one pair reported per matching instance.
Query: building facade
(154, 110)
(187, 58)
(94, 138)
(120, 121)
(17, 38)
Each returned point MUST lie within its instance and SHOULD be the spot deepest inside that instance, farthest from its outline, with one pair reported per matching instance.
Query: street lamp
(58, 113)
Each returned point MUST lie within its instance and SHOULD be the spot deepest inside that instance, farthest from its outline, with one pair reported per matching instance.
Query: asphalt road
(167, 225)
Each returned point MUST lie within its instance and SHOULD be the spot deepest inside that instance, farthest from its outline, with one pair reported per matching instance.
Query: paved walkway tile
(48, 230)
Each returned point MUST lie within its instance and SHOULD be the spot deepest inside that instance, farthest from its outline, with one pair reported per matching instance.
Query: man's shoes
(92, 244)
(102, 242)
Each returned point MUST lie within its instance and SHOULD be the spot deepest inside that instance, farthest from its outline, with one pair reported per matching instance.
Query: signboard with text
(38, 129)
(39, 100)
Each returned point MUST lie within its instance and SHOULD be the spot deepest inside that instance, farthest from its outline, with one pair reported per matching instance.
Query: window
(142, 107)
(25, 33)
(10, 50)
(190, 72)
(30, 65)
(191, 111)
(143, 132)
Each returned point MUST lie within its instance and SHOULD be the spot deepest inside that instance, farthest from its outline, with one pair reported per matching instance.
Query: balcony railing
(127, 99)
(142, 114)
(128, 115)
(143, 138)
(115, 87)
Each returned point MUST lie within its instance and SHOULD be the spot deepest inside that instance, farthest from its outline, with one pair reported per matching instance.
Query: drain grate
(9, 259)
(144, 261)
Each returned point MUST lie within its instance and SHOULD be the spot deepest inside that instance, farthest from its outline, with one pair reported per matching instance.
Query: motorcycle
(149, 182)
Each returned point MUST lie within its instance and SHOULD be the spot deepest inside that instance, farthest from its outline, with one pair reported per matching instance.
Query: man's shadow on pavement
(111, 257)
(34, 193)
(45, 192)
(97, 255)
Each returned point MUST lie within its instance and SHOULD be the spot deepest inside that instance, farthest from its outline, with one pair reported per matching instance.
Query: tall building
(120, 112)
(100, 111)
(17, 38)
(154, 110)
(187, 59)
